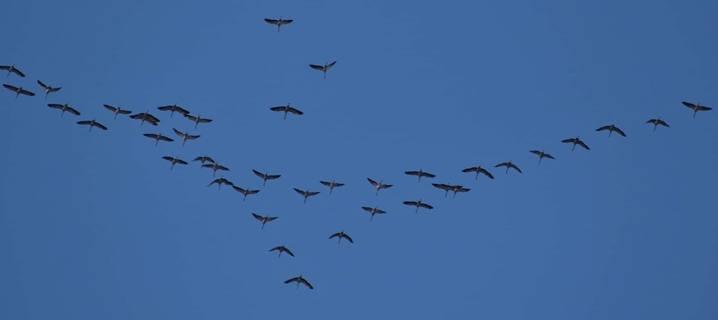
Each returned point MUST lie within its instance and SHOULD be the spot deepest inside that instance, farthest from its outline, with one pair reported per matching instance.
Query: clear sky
(95, 225)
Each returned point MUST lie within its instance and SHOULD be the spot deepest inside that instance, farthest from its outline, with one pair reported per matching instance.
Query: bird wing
(472, 169)
(221, 168)
(55, 89)
(345, 236)
(181, 110)
(688, 104)
(287, 251)
(619, 131)
(272, 21)
(581, 143)
(486, 173)
(440, 186)
(379, 211)
(271, 218)
(179, 133)
(73, 111)
(337, 184)
(503, 164)
(299, 191)
(326, 183)
(704, 108)
(568, 140)
(252, 191)
(165, 138)
(42, 85)
(204, 120)
(329, 66)
(313, 193)
(18, 72)
(124, 111)
(334, 235)
(150, 135)
(84, 122)
(168, 158)
(373, 183)
(603, 128)
(291, 280)
(651, 121)
(180, 161)
(306, 283)
(386, 186)
(190, 117)
(275, 249)
(165, 108)
(191, 137)
(278, 109)
(273, 176)
(100, 125)
(258, 174)
(295, 111)
(546, 155)
(316, 67)
(27, 93)
(55, 106)
(411, 173)
(258, 217)
(109, 107)
(429, 175)
(152, 118)
(426, 206)
(5, 68)
(410, 203)
(367, 209)
(516, 167)
(9, 87)
(536, 152)
(238, 189)
(663, 123)
(462, 189)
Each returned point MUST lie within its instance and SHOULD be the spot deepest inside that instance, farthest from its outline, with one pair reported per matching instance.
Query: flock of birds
(208, 162)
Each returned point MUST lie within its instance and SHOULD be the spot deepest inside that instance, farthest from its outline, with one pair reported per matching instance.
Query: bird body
(92, 123)
(323, 68)
(174, 160)
(541, 154)
(696, 107)
(197, 120)
(12, 69)
(18, 90)
(612, 128)
(219, 182)
(281, 249)
(508, 165)
(264, 219)
(420, 173)
(117, 110)
(286, 109)
(185, 136)
(266, 176)
(48, 89)
(174, 108)
(306, 193)
(158, 137)
(299, 280)
(657, 122)
(331, 185)
(576, 141)
(373, 211)
(418, 204)
(379, 185)
(279, 23)
(478, 169)
(245, 192)
(341, 235)
(64, 107)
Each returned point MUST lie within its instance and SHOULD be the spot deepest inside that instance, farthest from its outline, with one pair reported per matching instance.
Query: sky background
(96, 226)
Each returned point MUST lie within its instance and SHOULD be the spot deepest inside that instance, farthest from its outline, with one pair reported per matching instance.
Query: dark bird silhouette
(64, 107)
(245, 192)
(279, 23)
(299, 280)
(203, 159)
(174, 108)
(266, 176)
(323, 68)
(220, 182)
(286, 109)
(418, 204)
(48, 89)
(419, 174)
(445, 187)
(612, 128)
(174, 161)
(576, 141)
(264, 219)
(306, 194)
(158, 137)
(18, 90)
(12, 69)
(185, 136)
(508, 166)
(541, 154)
(331, 185)
(197, 120)
(379, 185)
(657, 122)
(696, 107)
(478, 169)
(92, 123)
(457, 189)
(341, 235)
(215, 166)
(281, 249)
(373, 211)
(117, 110)
(146, 117)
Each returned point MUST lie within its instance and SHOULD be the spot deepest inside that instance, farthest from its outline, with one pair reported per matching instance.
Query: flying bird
(306, 194)
(508, 166)
(457, 189)
(117, 110)
(18, 90)
(657, 122)
(341, 235)
(478, 169)
(331, 185)
(185, 136)
(174, 108)
(174, 161)
(445, 187)
(220, 182)
(266, 176)
(92, 123)
(286, 109)
(203, 159)
(64, 107)
(48, 89)
(12, 69)
(379, 185)
(215, 166)
(264, 219)
(157, 137)
(373, 211)
(420, 173)
(418, 204)
(541, 154)
(299, 280)
(576, 141)
(612, 128)
(197, 120)
(146, 117)
(245, 192)
(323, 68)
(696, 107)
(281, 249)
(279, 23)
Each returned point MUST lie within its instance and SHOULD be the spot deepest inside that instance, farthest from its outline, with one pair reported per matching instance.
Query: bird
(185, 136)
(197, 120)
(215, 166)
(203, 159)
(373, 211)
(541, 154)
(508, 166)
(48, 89)
(299, 280)
(264, 219)
(306, 194)
(418, 204)
(12, 69)
(286, 109)
(696, 107)
(266, 176)
(18, 90)
(612, 128)
(576, 141)
(174, 108)
(324, 68)
(281, 249)
(64, 107)
(656, 122)
(92, 123)
(117, 110)
(419, 174)
(279, 23)
(457, 189)
(158, 137)
(220, 182)
(174, 161)
(245, 192)
(331, 185)
(379, 185)
(445, 187)
(478, 169)
(146, 117)
(341, 235)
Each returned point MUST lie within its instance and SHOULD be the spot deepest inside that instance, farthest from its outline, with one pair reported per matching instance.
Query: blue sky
(95, 225)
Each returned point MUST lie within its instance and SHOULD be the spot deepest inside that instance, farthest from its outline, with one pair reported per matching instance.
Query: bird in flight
(299, 280)
(12, 69)
(48, 89)
(18, 90)
(279, 23)
(341, 235)
(696, 107)
(323, 68)
(612, 128)
(281, 249)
